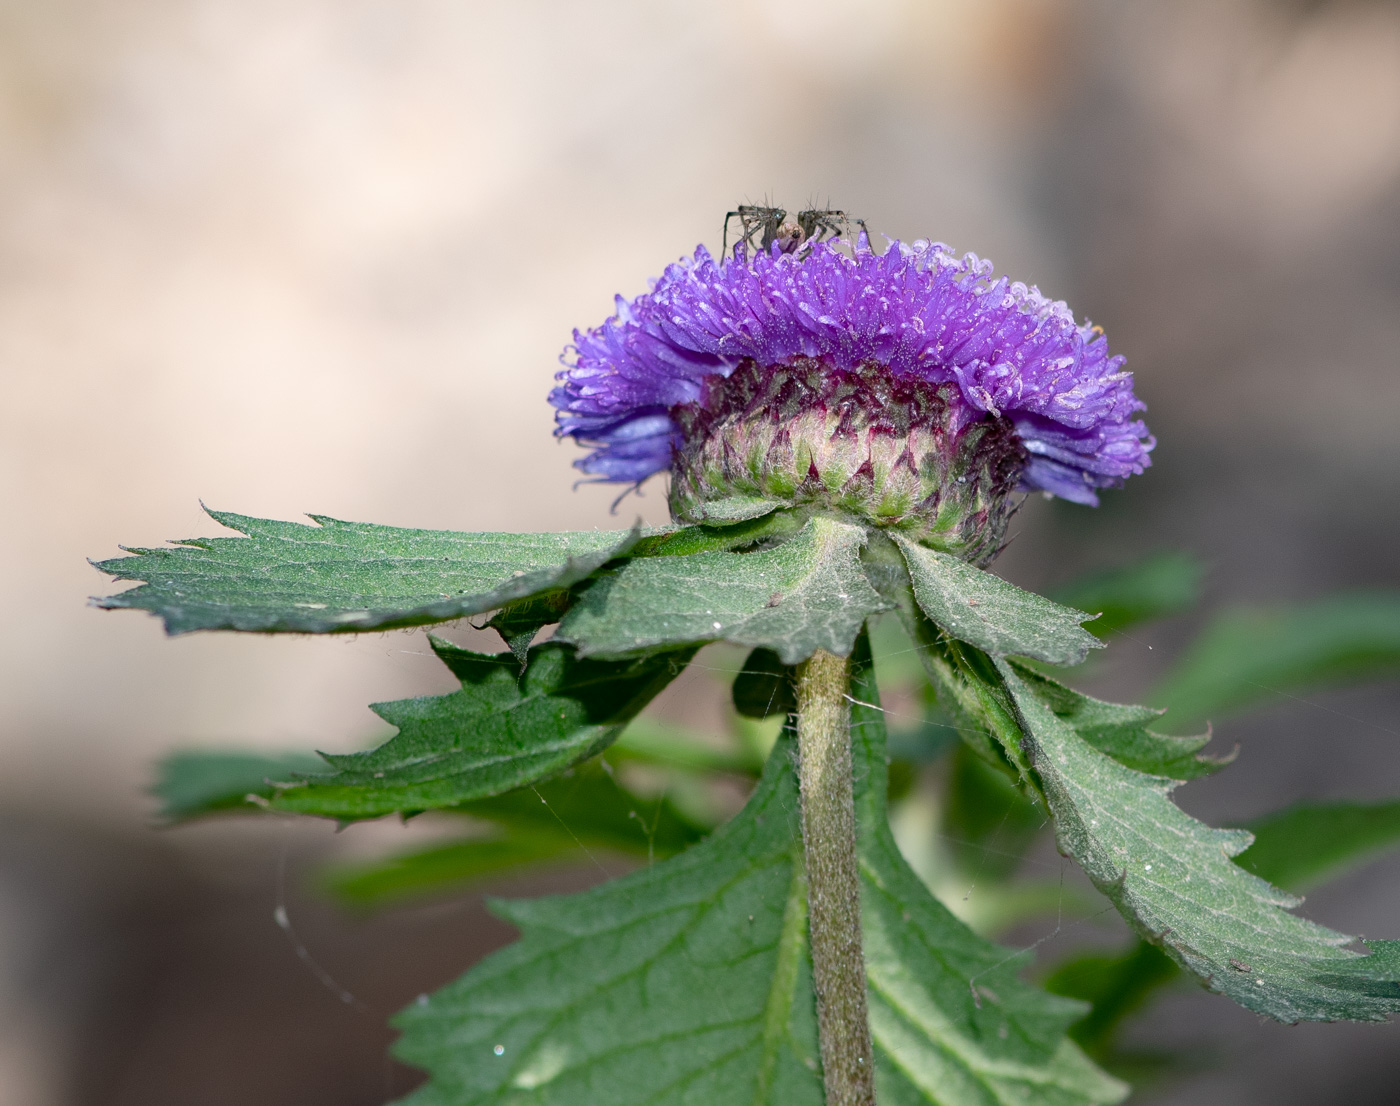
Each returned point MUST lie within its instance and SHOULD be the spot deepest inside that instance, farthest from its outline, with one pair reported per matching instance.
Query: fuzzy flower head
(911, 388)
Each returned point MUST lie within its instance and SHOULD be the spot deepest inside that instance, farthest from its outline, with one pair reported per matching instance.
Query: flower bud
(892, 453)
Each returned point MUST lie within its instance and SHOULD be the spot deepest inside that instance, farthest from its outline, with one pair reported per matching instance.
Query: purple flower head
(917, 313)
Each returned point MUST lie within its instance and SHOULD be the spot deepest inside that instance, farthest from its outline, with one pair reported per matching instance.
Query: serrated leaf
(504, 729)
(565, 818)
(1248, 657)
(197, 782)
(1309, 843)
(807, 594)
(997, 617)
(689, 982)
(338, 577)
(1121, 731)
(1161, 585)
(654, 988)
(1172, 878)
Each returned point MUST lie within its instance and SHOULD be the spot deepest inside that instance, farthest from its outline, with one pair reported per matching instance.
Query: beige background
(322, 255)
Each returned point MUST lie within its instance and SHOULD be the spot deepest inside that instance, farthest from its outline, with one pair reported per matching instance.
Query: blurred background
(322, 255)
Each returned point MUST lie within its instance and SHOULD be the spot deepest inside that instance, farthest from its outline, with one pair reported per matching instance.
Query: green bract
(886, 451)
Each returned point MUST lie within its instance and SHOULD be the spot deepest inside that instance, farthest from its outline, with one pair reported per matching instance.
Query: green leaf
(1161, 585)
(1246, 657)
(561, 819)
(1121, 731)
(339, 577)
(1172, 878)
(585, 808)
(1305, 845)
(984, 610)
(689, 982)
(807, 594)
(194, 783)
(504, 729)
(654, 988)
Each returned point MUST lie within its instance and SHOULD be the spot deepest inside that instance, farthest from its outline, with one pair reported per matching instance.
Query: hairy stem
(833, 878)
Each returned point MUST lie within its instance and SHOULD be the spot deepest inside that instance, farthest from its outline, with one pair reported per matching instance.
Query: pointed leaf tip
(974, 606)
(1172, 878)
(350, 577)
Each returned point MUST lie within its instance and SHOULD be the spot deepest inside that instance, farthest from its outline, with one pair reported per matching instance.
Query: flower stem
(833, 878)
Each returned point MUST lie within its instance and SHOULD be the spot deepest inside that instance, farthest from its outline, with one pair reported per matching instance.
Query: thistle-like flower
(910, 389)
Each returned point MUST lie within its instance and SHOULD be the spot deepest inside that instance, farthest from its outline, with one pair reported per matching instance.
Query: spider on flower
(769, 225)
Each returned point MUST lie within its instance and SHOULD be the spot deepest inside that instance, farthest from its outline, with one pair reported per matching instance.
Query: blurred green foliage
(1301, 846)
(1246, 658)
(1161, 585)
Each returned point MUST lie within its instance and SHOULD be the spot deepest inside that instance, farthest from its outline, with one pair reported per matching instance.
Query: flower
(858, 352)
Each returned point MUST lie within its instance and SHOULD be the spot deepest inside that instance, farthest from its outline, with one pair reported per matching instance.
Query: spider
(769, 225)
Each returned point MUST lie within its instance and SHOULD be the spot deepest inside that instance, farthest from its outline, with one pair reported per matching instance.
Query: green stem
(833, 878)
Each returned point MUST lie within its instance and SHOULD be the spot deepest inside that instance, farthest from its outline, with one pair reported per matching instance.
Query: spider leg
(820, 225)
(772, 223)
(724, 237)
(744, 213)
